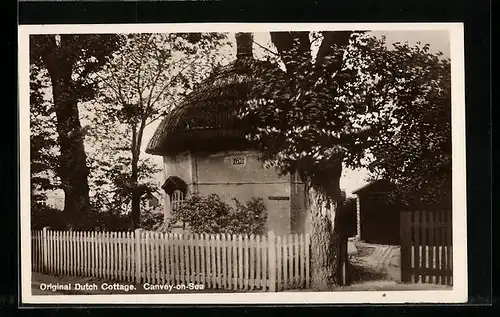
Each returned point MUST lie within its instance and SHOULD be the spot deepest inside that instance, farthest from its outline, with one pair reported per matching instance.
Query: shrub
(43, 215)
(111, 221)
(116, 221)
(249, 218)
(212, 215)
(151, 220)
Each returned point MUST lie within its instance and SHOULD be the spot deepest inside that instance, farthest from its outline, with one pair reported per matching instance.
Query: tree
(212, 215)
(324, 111)
(69, 61)
(44, 149)
(109, 159)
(301, 126)
(413, 148)
(144, 80)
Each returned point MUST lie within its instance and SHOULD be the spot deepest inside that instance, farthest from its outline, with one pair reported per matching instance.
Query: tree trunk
(136, 208)
(326, 236)
(136, 194)
(294, 49)
(73, 169)
(325, 243)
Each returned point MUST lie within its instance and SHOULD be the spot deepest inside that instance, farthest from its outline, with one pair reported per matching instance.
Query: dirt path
(376, 267)
(376, 262)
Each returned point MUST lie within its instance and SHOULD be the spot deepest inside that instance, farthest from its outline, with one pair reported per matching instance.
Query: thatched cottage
(204, 149)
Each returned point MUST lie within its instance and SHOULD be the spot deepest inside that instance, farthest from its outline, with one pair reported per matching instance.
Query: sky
(351, 179)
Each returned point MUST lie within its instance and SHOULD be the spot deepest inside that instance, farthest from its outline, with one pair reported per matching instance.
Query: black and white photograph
(242, 163)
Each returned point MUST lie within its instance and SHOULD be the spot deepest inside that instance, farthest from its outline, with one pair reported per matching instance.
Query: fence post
(138, 236)
(405, 237)
(45, 248)
(271, 241)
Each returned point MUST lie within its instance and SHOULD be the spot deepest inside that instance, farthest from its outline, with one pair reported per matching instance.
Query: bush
(43, 215)
(151, 220)
(115, 221)
(249, 218)
(212, 215)
(112, 221)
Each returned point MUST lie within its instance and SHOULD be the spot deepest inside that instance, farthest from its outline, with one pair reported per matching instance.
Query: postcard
(263, 163)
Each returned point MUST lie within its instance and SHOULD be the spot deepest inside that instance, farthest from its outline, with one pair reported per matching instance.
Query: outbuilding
(377, 215)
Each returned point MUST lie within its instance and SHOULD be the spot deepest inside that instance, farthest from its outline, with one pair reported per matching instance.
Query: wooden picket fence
(235, 262)
(426, 247)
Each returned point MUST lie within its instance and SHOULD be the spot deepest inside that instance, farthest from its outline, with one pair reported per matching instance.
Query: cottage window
(176, 189)
(176, 199)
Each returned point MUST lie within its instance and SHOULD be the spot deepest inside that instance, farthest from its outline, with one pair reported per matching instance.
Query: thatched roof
(207, 118)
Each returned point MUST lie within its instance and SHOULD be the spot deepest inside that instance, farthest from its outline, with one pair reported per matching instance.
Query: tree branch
(266, 49)
(157, 117)
(161, 63)
(118, 94)
(294, 49)
(333, 41)
(170, 82)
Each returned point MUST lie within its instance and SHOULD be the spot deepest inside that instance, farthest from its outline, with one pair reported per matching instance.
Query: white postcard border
(457, 294)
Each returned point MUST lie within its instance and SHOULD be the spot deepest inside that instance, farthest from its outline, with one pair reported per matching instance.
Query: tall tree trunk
(136, 208)
(73, 169)
(326, 236)
(136, 194)
(294, 49)
(323, 240)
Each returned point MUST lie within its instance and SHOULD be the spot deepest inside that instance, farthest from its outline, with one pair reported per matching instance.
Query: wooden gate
(426, 247)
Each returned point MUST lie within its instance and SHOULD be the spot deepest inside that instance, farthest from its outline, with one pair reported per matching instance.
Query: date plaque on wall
(279, 198)
(239, 160)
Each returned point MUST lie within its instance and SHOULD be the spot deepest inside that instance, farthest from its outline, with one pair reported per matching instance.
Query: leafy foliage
(116, 221)
(365, 105)
(212, 215)
(412, 98)
(145, 78)
(70, 62)
(44, 149)
(151, 73)
(248, 218)
(351, 101)
(110, 160)
(82, 55)
(296, 115)
(43, 215)
(151, 220)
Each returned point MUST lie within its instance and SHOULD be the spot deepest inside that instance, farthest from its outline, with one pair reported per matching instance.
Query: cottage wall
(240, 174)
(178, 165)
(298, 200)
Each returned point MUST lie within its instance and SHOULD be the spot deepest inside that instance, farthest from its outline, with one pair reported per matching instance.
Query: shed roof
(374, 185)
